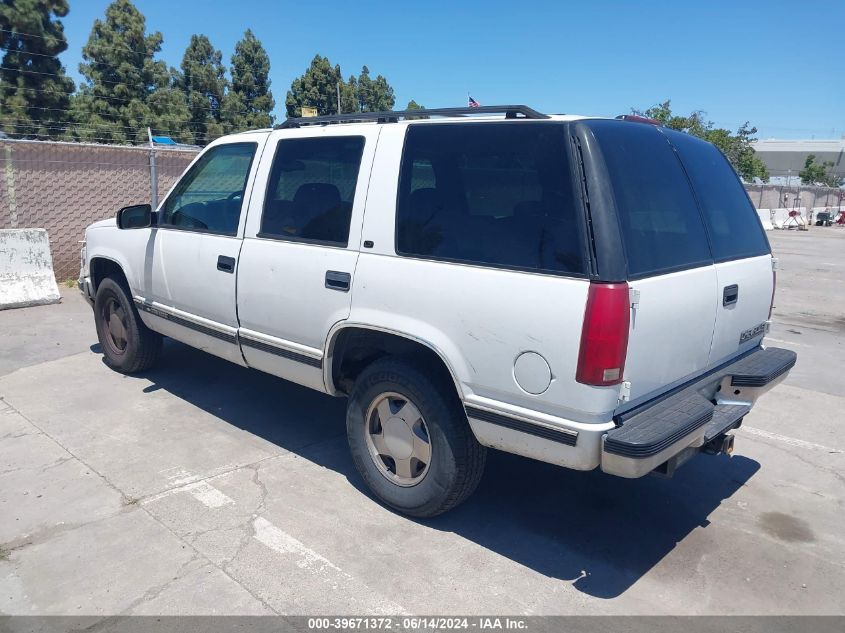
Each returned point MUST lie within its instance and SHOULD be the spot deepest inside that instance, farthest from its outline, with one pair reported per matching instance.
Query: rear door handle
(336, 280)
(226, 264)
(730, 295)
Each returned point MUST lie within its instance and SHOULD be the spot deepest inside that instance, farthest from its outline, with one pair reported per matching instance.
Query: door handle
(730, 295)
(226, 264)
(336, 280)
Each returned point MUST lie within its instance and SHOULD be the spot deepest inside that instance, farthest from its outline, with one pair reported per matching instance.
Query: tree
(374, 95)
(736, 146)
(34, 90)
(249, 102)
(127, 90)
(413, 105)
(317, 88)
(819, 174)
(203, 80)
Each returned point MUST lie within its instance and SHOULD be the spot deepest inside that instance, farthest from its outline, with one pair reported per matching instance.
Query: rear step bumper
(670, 429)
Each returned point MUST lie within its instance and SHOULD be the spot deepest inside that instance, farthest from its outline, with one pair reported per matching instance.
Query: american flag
(473, 103)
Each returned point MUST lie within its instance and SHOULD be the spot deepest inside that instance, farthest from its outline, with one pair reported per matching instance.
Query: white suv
(587, 292)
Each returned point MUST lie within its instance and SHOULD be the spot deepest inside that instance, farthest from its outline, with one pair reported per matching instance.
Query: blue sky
(778, 64)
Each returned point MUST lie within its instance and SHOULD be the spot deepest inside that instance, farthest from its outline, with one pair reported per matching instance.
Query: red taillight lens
(604, 338)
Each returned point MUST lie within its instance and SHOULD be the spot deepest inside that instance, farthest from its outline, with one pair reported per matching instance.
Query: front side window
(494, 194)
(661, 225)
(209, 196)
(311, 190)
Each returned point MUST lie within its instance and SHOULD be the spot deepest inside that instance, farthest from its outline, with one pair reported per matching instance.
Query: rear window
(496, 194)
(661, 225)
(731, 219)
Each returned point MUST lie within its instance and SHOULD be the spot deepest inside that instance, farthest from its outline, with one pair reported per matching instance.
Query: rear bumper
(693, 416)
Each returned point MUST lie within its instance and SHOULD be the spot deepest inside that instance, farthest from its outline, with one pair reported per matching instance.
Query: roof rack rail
(392, 116)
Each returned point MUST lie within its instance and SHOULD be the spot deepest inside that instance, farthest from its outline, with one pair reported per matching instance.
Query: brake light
(636, 118)
(604, 337)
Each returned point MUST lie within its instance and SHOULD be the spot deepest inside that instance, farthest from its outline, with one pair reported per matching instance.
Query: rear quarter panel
(479, 319)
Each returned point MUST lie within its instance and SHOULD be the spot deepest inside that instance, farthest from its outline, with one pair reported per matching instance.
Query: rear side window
(311, 190)
(731, 219)
(496, 194)
(661, 226)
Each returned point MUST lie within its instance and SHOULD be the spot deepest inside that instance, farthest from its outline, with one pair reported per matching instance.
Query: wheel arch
(360, 344)
(101, 266)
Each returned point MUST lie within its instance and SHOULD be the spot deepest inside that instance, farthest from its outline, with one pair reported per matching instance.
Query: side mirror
(138, 216)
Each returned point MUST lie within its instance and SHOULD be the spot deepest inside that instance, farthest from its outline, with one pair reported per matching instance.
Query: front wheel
(128, 345)
(410, 439)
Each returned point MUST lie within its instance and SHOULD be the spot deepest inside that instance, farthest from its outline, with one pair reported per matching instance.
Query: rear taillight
(604, 337)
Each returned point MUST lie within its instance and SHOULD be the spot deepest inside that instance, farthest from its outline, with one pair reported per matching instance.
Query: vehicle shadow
(602, 532)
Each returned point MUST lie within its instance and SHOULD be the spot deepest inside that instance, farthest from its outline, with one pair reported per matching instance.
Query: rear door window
(732, 221)
(493, 194)
(662, 228)
(312, 189)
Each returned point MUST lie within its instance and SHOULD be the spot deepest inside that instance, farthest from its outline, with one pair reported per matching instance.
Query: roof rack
(393, 116)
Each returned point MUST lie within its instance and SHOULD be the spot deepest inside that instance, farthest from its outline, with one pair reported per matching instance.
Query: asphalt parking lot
(205, 488)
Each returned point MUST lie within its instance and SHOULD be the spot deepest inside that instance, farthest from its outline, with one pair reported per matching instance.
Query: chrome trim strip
(269, 348)
(163, 312)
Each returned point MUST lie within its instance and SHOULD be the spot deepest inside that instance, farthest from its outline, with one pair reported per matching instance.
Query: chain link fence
(795, 196)
(64, 187)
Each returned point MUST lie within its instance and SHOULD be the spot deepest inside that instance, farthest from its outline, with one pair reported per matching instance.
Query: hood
(109, 222)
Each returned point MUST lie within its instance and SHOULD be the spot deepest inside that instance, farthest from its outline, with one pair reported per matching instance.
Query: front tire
(128, 345)
(410, 439)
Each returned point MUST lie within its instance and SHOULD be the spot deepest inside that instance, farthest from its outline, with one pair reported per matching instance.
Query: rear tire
(128, 345)
(395, 410)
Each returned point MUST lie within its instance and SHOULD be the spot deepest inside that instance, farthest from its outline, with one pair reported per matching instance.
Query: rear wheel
(410, 439)
(128, 345)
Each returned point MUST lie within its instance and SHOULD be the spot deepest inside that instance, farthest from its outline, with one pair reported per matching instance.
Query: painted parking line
(354, 592)
(202, 491)
(791, 441)
(779, 340)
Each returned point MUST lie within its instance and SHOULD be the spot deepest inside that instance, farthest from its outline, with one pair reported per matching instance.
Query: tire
(128, 345)
(455, 458)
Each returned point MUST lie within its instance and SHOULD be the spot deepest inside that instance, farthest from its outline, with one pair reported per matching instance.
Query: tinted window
(311, 189)
(489, 193)
(731, 219)
(661, 225)
(209, 196)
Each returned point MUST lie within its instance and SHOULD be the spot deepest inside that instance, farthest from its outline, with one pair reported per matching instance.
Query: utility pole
(153, 172)
(338, 97)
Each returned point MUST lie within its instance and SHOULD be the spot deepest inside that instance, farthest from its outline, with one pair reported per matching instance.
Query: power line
(42, 37)
(71, 125)
(99, 114)
(70, 94)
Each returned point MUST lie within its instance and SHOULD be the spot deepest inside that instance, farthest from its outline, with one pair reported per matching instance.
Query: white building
(785, 158)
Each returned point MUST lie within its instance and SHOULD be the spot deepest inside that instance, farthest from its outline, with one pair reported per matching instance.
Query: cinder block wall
(63, 187)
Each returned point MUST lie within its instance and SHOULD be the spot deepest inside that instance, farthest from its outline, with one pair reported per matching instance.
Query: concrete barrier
(765, 218)
(26, 269)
